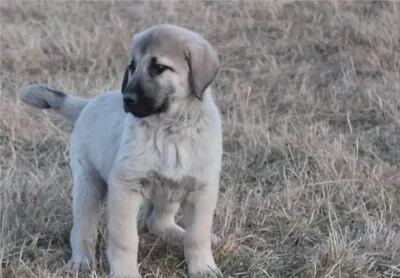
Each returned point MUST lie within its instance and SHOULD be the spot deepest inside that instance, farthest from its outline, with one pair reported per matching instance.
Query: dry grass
(310, 97)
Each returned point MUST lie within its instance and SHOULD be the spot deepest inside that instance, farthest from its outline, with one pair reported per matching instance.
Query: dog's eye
(159, 69)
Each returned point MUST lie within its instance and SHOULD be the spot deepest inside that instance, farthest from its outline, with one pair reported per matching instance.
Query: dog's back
(97, 133)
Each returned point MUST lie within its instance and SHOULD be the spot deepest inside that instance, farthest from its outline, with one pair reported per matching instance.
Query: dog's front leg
(198, 210)
(123, 207)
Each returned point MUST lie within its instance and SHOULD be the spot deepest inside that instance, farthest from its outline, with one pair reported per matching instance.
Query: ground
(309, 93)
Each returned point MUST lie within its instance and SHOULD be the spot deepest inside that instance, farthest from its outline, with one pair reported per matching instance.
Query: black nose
(130, 99)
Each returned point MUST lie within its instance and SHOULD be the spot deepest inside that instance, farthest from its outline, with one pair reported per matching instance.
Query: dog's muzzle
(129, 101)
(142, 107)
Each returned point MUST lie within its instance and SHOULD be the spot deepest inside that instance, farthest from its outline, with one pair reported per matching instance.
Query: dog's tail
(46, 98)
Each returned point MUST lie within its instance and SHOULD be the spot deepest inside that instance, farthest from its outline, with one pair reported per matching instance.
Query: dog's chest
(160, 189)
(171, 165)
(173, 155)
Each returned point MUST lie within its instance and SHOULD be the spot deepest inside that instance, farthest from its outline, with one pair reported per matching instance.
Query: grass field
(310, 98)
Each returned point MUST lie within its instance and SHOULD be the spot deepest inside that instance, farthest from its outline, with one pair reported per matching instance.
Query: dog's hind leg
(161, 222)
(88, 195)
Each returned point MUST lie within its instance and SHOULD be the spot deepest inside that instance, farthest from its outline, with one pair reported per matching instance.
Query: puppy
(158, 142)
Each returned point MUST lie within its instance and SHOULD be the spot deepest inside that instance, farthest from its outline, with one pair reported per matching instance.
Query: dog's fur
(166, 155)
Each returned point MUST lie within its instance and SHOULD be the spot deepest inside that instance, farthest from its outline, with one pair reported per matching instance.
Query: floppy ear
(203, 65)
(125, 81)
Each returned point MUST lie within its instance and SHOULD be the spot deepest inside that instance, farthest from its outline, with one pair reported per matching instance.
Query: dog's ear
(125, 81)
(203, 65)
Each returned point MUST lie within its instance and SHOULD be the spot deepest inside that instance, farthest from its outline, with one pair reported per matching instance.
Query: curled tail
(46, 98)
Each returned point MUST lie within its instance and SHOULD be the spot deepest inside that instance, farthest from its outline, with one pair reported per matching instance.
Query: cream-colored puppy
(158, 141)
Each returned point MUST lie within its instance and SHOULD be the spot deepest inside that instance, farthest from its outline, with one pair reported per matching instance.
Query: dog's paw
(131, 273)
(209, 273)
(82, 263)
(205, 268)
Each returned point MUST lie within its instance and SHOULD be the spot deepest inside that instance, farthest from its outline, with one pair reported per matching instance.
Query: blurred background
(309, 93)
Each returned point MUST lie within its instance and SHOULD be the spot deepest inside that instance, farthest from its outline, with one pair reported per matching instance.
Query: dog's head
(167, 63)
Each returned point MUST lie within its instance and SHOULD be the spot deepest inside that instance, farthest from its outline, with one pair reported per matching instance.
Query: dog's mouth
(145, 108)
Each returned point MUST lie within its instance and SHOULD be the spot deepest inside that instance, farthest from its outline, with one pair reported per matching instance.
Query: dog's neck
(184, 114)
